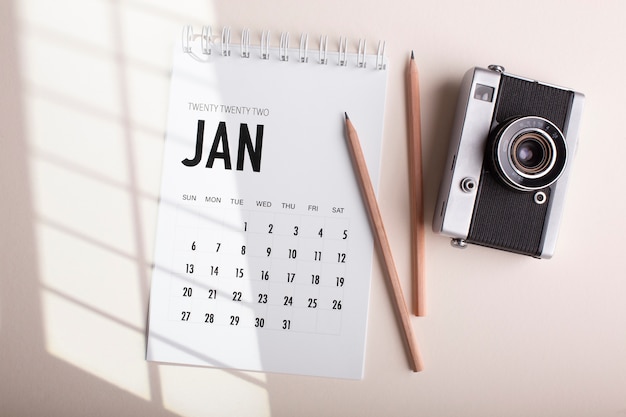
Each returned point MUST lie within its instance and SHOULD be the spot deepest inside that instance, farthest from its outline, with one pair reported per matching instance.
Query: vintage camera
(513, 141)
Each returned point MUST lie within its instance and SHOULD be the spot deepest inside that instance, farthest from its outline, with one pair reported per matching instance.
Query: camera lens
(532, 153)
(528, 153)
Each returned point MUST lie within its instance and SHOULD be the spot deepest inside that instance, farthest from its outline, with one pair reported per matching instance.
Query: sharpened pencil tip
(346, 113)
(412, 55)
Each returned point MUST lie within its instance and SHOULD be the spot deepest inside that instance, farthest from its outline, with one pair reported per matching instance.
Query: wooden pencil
(416, 192)
(382, 244)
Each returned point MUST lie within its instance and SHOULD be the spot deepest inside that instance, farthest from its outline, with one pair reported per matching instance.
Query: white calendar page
(264, 251)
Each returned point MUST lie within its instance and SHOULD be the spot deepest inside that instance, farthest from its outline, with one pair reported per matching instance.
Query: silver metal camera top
(470, 131)
(497, 68)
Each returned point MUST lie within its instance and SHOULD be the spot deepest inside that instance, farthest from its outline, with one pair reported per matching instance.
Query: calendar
(263, 250)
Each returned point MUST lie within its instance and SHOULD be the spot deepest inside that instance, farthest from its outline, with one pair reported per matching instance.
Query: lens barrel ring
(528, 153)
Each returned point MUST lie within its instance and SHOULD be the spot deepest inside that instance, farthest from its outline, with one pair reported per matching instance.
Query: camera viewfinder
(484, 92)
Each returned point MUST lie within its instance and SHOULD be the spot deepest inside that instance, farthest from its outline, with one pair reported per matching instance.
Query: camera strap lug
(458, 243)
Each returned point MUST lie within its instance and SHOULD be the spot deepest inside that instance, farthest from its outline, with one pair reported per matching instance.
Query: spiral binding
(225, 44)
(360, 57)
(380, 56)
(323, 50)
(245, 43)
(265, 44)
(284, 46)
(207, 41)
(343, 51)
(304, 48)
(187, 38)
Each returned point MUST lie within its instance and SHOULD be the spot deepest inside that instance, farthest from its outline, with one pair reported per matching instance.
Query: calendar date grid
(273, 271)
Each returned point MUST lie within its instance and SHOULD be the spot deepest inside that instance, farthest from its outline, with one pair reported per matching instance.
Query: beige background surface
(83, 101)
